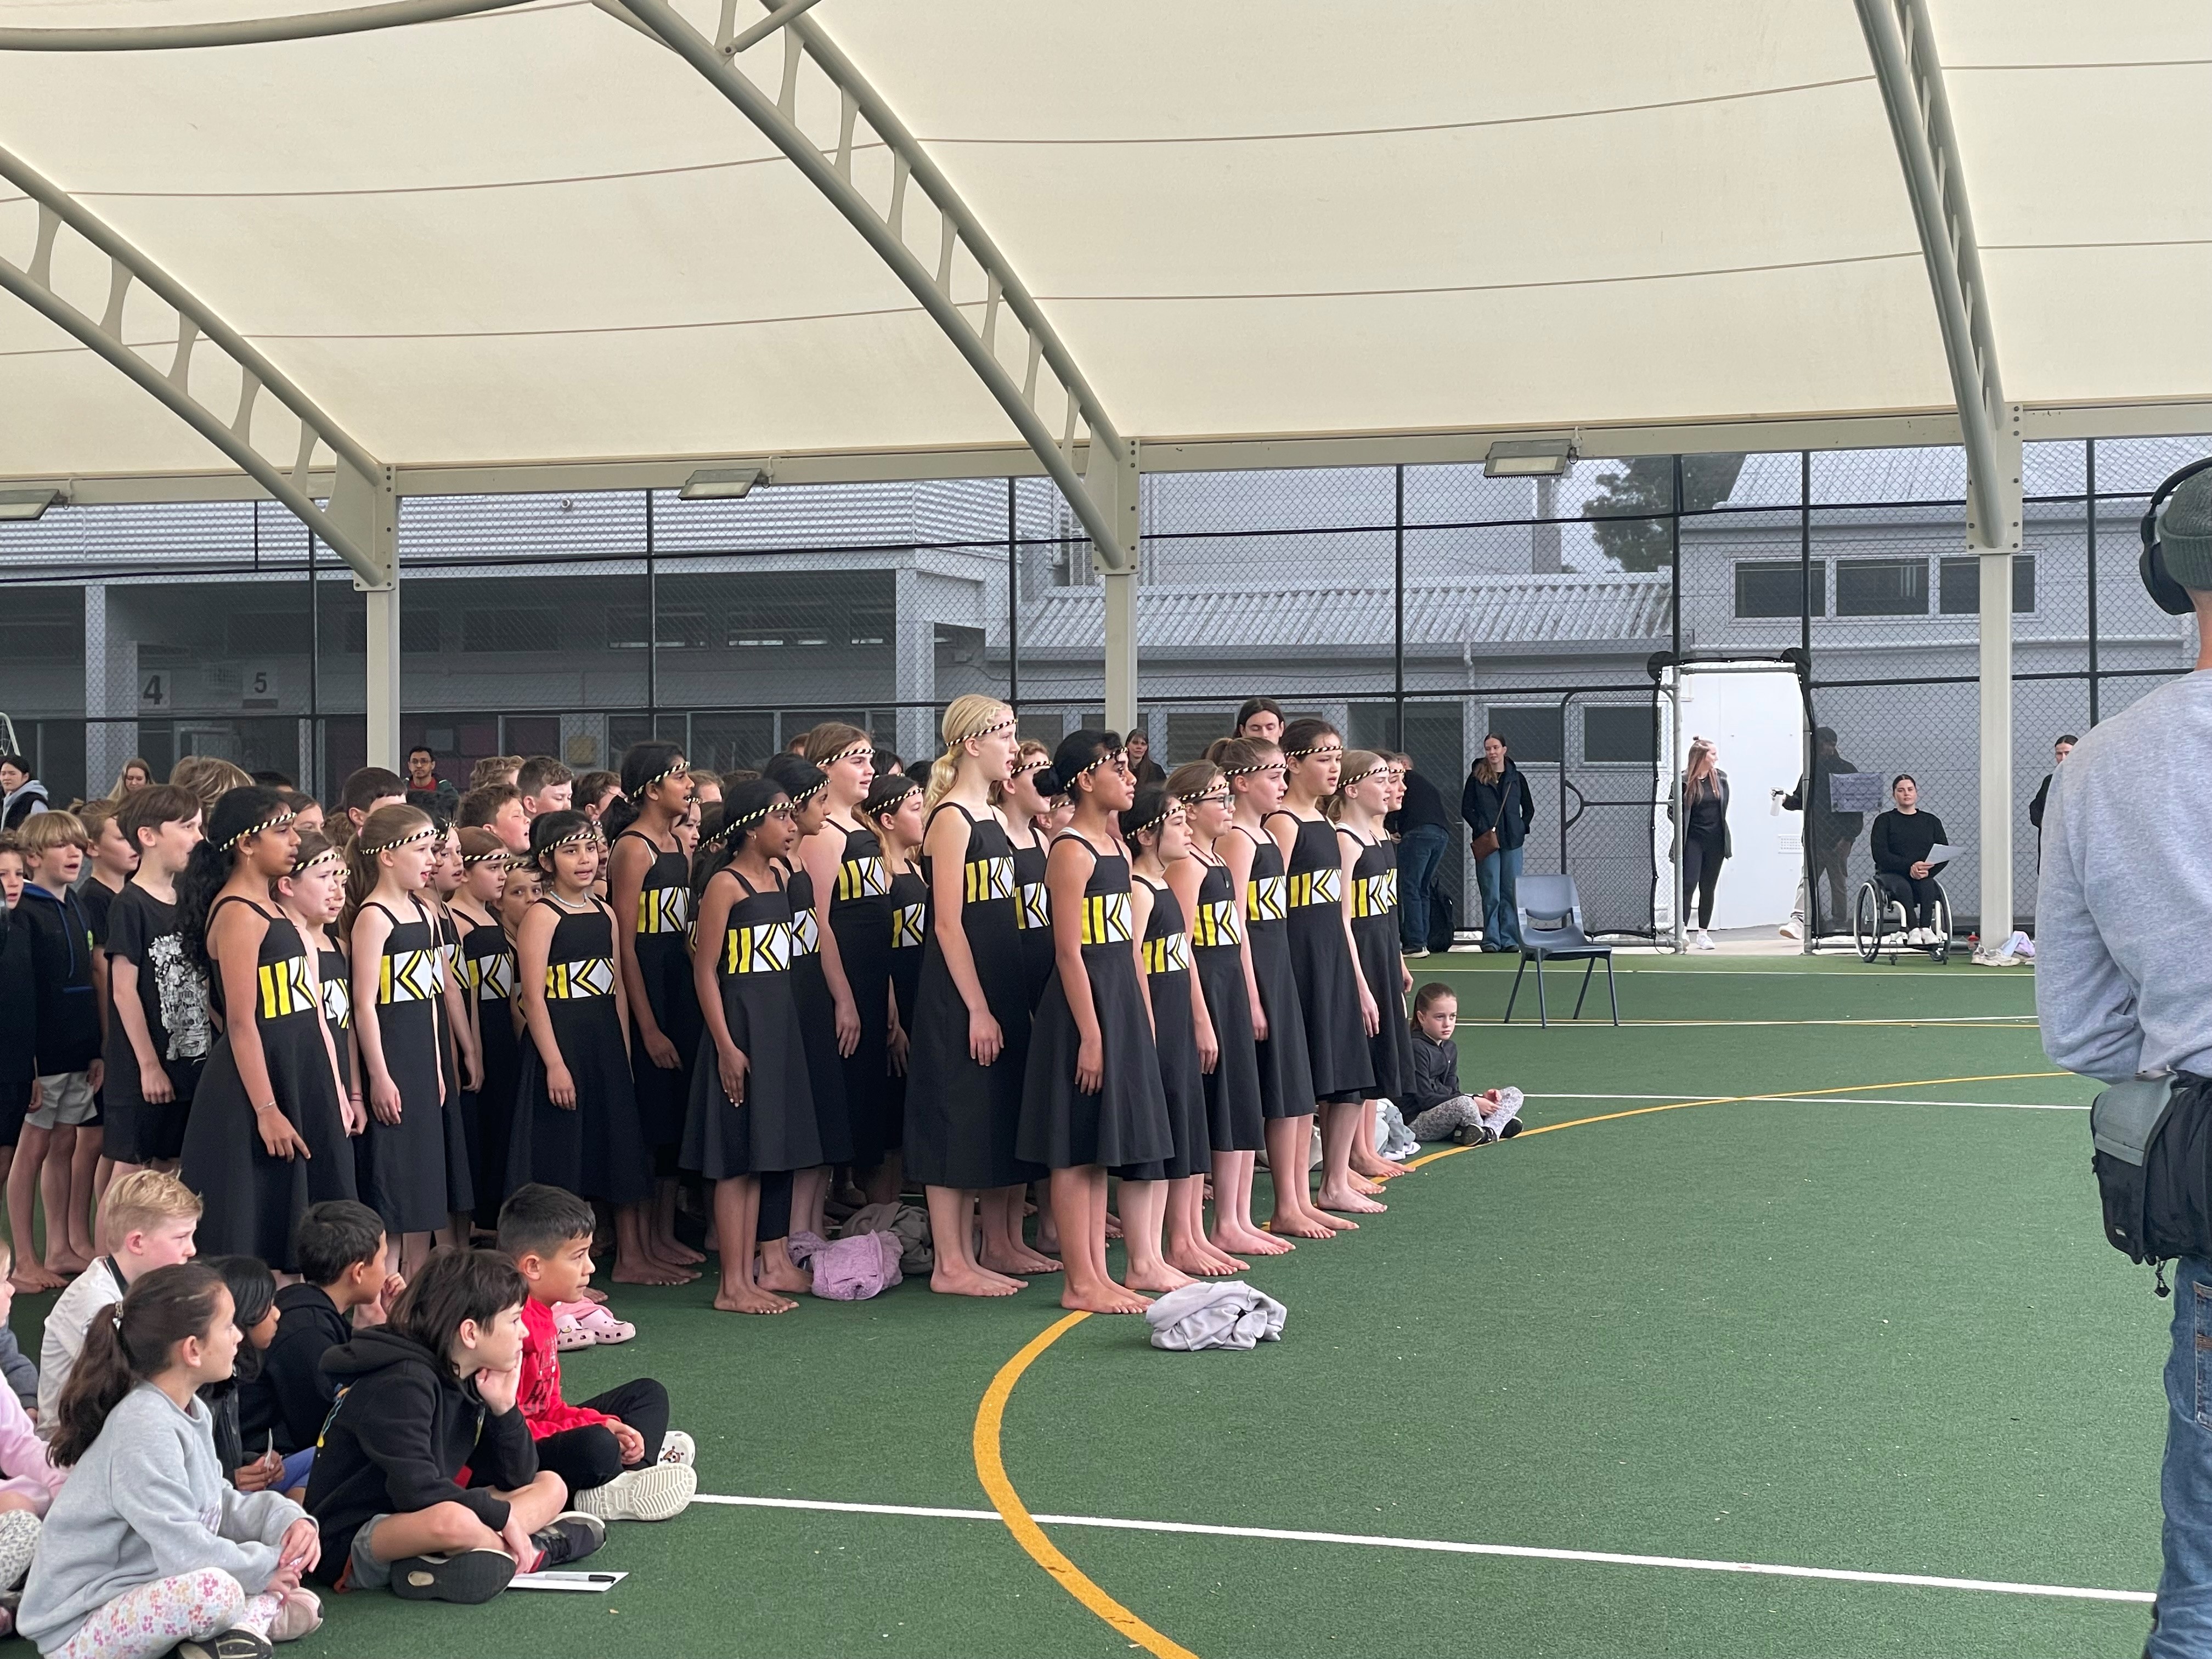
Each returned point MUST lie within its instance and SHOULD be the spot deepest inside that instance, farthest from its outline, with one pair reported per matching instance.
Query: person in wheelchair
(1901, 840)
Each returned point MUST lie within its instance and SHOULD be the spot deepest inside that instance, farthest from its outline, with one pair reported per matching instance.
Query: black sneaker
(226, 1644)
(572, 1535)
(1473, 1134)
(1512, 1128)
(466, 1576)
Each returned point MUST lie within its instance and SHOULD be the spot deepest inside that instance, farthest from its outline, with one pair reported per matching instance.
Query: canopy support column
(369, 507)
(1116, 481)
(1996, 571)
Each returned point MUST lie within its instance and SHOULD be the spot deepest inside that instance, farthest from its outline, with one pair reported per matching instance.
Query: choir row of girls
(922, 982)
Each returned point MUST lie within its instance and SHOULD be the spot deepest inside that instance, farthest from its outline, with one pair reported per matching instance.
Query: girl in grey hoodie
(147, 1547)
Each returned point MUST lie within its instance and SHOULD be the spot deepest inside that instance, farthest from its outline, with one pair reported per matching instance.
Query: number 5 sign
(259, 689)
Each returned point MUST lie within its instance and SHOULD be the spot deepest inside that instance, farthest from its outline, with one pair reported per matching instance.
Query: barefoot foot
(754, 1302)
(967, 1281)
(32, 1280)
(1108, 1298)
(797, 1280)
(1298, 1225)
(1161, 1279)
(1331, 1198)
(1013, 1263)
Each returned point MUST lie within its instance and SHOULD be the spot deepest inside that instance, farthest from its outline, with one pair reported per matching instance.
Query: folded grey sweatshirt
(2124, 906)
(147, 1502)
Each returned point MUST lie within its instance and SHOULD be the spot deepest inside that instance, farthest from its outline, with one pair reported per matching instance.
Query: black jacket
(403, 1430)
(1828, 826)
(61, 967)
(1505, 805)
(308, 1326)
(19, 1008)
(2042, 798)
(1901, 839)
(1436, 1072)
(1423, 806)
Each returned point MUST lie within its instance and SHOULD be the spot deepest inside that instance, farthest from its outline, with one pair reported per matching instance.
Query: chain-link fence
(1419, 608)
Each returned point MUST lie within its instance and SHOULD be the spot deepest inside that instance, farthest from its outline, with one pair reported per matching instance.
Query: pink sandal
(594, 1320)
(568, 1334)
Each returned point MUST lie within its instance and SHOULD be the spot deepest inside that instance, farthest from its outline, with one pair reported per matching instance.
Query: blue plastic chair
(1551, 931)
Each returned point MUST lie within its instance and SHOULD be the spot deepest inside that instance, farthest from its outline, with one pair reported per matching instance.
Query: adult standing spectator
(1902, 838)
(1142, 767)
(1830, 833)
(21, 795)
(1498, 809)
(1260, 718)
(425, 789)
(2059, 751)
(2122, 986)
(1423, 827)
(1704, 837)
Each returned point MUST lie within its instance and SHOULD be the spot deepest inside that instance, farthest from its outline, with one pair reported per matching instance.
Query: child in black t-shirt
(159, 1034)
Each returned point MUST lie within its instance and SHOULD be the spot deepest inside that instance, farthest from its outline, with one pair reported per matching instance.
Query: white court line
(1447, 1546)
(2011, 1022)
(1847, 1100)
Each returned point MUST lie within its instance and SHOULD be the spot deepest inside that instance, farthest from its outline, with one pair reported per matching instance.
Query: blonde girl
(1365, 797)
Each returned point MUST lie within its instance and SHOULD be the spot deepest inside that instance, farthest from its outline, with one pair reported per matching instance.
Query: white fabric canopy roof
(537, 235)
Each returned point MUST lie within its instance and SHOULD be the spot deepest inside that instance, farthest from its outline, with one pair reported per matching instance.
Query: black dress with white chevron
(774, 1128)
(594, 1149)
(253, 1201)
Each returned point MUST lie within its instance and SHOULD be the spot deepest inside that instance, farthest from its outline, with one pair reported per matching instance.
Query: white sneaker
(1789, 930)
(1705, 941)
(656, 1493)
(677, 1447)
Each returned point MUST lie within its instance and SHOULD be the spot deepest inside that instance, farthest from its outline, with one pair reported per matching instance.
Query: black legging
(1702, 858)
(1916, 894)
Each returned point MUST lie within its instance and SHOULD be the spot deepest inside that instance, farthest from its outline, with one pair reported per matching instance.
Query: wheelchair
(1882, 925)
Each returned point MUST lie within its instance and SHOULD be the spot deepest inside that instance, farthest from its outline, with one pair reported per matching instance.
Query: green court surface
(1873, 1328)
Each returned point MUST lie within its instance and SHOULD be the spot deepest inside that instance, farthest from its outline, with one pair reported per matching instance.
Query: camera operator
(2123, 986)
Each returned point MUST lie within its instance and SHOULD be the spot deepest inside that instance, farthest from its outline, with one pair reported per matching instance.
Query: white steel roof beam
(358, 472)
(1903, 48)
(1109, 517)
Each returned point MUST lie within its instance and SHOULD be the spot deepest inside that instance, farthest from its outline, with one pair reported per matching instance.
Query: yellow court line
(1031, 1537)
(990, 1416)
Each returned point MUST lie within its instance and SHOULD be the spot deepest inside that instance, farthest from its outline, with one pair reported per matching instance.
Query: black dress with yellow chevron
(408, 1169)
(594, 1149)
(961, 1118)
(1285, 1074)
(1233, 1118)
(1321, 961)
(1174, 1038)
(459, 1116)
(334, 1171)
(1033, 913)
(860, 916)
(1374, 933)
(909, 935)
(663, 943)
(253, 1201)
(817, 1024)
(488, 977)
(1126, 1123)
(774, 1128)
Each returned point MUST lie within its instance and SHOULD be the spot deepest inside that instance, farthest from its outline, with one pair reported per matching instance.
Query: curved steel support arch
(1105, 502)
(246, 31)
(346, 525)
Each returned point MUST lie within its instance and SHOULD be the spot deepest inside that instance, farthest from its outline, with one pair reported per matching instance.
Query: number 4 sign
(154, 691)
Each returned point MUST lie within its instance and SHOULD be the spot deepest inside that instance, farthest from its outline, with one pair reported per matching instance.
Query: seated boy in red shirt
(616, 1452)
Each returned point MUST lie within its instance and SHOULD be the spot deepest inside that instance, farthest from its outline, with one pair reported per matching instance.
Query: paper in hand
(1939, 854)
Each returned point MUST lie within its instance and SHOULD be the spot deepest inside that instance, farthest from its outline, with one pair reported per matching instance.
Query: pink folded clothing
(854, 1268)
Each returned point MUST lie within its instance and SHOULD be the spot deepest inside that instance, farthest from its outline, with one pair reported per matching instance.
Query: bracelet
(268, 1106)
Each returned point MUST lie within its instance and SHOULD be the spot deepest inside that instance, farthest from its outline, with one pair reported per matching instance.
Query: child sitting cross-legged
(1441, 1109)
(147, 1220)
(339, 1246)
(28, 1478)
(147, 1547)
(620, 1458)
(426, 1401)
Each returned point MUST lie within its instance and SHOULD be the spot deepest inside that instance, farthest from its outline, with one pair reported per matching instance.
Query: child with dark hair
(159, 1036)
(427, 1401)
(245, 1421)
(496, 807)
(368, 790)
(66, 977)
(616, 1452)
(546, 785)
(1442, 1110)
(339, 1250)
(147, 1547)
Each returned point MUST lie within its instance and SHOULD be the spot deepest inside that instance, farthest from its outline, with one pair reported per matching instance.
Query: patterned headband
(747, 820)
(1318, 749)
(301, 866)
(1106, 759)
(665, 773)
(1004, 724)
(426, 832)
(1155, 821)
(1249, 771)
(1027, 766)
(799, 797)
(590, 832)
(469, 860)
(1381, 768)
(277, 821)
(865, 746)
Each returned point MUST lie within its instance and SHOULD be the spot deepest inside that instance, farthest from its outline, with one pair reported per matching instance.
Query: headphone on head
(2168, 594)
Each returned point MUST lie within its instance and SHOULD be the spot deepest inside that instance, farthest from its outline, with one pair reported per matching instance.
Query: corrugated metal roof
(1516, 611)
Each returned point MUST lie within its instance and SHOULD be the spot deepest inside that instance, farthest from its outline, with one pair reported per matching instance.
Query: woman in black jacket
(1496, 801)
(1705, 835)
(1900, 842)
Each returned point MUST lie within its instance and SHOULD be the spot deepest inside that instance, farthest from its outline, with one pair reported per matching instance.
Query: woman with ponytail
(148, 1545)
(970, 1029)
(1025, 808)
(649, 885)
(272, 1090)
(752, 1104)
(398, 981)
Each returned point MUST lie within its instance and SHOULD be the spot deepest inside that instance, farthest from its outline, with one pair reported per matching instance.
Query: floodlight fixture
(723, 483)
(1528, 458)
(22, 506)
